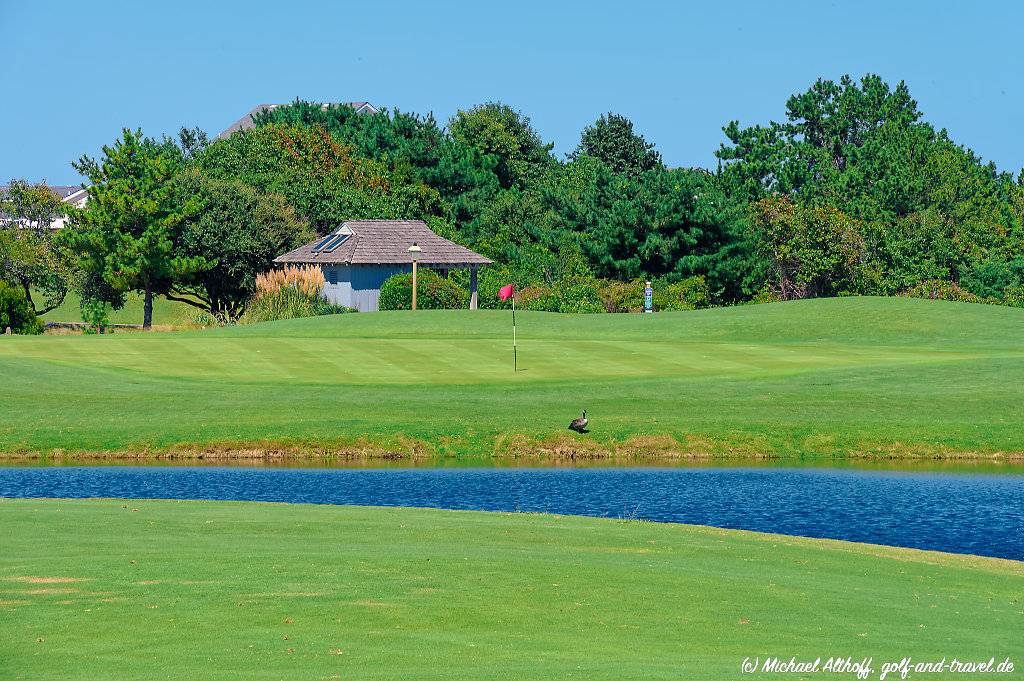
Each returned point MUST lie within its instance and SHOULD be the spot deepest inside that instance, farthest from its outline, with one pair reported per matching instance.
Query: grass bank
(165, 312)
(217, 590)
(820, 378)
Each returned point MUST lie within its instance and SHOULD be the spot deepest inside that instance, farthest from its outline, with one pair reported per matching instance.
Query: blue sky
(74, 74)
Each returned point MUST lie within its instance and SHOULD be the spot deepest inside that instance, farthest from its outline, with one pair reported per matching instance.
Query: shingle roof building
(245, 122)
(360, 255)
(377, 242)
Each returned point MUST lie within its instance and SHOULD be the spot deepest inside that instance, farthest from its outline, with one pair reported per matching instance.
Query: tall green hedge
(433, 292)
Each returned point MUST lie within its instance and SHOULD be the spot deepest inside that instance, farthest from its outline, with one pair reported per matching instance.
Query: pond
(979, 513)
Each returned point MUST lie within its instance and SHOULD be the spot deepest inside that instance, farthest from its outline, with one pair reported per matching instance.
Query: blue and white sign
(648, 299)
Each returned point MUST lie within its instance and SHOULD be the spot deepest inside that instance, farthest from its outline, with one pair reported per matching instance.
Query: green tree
(28, 255)
(240, 230)
(321, 178)
(16, 313)
(612, 141)
(127, 235)
(498, 130)
(813, 251)
(659, 223)
(927, 208)
(826, 130)
(412, 147)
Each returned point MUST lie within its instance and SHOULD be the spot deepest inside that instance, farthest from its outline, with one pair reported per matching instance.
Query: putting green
(819, 377)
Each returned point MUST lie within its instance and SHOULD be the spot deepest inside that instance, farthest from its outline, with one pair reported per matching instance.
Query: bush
(289, 293)
(938, 289)
(433, 292)
(1014, 296)
(288, 303)
(764, 295)
(490, 280)
(579, 297)
(574, 297)
(16, 312)
(688, 294)
(96, 315)
(622, 296)
(309, 280)
(537, 297)
(201, 319)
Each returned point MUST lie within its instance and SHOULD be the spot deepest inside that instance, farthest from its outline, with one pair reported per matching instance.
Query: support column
(472, 288)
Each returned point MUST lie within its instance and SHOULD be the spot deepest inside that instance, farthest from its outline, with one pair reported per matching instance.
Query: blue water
(964, 513)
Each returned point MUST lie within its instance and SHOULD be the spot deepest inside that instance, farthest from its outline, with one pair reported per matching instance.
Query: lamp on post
(414, 253)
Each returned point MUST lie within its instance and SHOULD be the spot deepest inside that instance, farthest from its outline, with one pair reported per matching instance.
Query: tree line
(853, 193)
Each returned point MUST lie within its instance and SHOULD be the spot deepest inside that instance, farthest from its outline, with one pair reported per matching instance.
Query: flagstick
(515, 359)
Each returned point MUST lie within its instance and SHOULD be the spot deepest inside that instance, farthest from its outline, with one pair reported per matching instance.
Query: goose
(580, 424)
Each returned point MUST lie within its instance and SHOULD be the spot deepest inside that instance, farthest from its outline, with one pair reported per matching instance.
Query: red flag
(506, 292)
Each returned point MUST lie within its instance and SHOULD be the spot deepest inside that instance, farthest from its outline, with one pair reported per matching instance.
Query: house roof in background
(62, 191)
(387, 242)
(65, 190)
(245, 122)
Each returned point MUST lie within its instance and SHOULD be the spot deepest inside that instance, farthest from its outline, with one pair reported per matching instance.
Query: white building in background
(73, 195)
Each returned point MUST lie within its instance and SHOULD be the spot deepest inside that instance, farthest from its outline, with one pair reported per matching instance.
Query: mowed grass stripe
(386, 360)
(823, 377)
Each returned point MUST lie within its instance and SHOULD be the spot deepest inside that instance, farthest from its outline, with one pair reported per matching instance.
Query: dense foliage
(240, 230)
(894, 202)
(852, 193)
(433, 292)
(28, 255)
(129, 233)
(16, 312)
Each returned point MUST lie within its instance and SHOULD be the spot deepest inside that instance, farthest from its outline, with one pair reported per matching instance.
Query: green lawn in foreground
(125, 590)
(817, 377)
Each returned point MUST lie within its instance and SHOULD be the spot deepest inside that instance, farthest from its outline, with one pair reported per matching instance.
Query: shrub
(309, 280)
(574, 297)
(490, 281)
(688, 294)
(765, 295)
(16, 312)
(96, 315)
(289, 293)
(622, 296)
(201, 319)
(938, 289)
(537, 297)
(433, 292)
(288, 303)
(579, 297)
(1014, 296)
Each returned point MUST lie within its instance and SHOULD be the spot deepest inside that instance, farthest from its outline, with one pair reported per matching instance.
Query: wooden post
(473, 303)
(414, 284)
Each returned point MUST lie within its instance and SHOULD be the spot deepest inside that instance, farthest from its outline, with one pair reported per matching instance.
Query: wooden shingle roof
(387, 242)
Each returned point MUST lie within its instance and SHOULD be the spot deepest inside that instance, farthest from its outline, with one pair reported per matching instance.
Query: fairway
(832, 377)
(212, 590)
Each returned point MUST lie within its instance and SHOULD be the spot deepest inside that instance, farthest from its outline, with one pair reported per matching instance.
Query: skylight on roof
(318, 246)
(333, 240)
(334, 243)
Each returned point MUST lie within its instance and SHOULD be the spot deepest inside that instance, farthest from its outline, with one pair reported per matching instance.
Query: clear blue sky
(74, 74)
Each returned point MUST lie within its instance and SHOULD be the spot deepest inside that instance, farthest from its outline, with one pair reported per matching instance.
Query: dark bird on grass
(580, 424)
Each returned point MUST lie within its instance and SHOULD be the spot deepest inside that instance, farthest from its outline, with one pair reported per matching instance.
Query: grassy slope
(814, 377)
(203, 590)
(165, 312)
